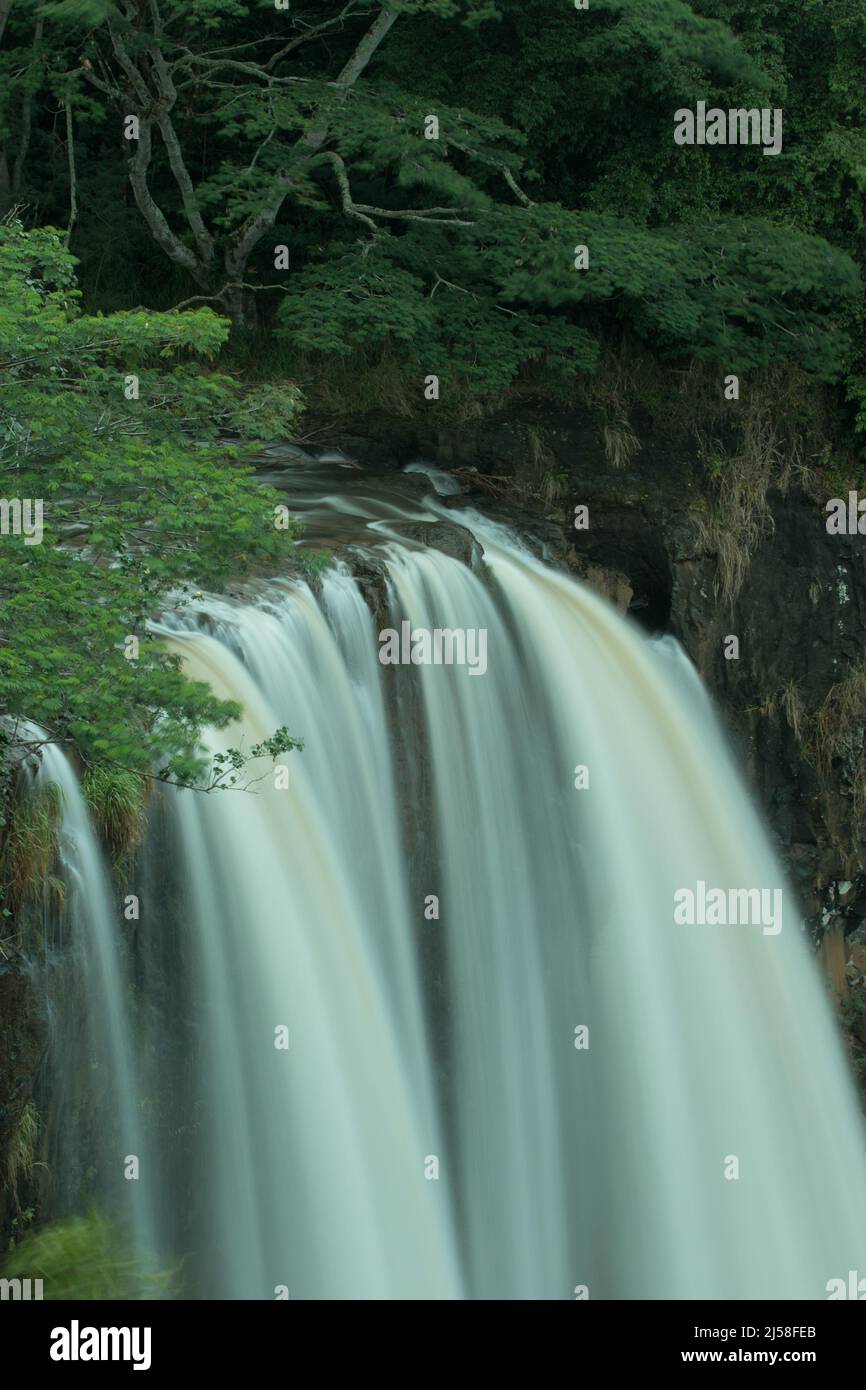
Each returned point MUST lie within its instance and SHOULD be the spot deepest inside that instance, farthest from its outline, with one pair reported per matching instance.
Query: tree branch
(203, 239)
(500, 166)
(73, 182)
(342, 178)
(233, 65)
(26, 116)
(140, 164)
(315, 31)
(133, 75)
(367, 47)
(441, 217)
(418, 215)
(103, 86)
(152, 213)
(255, 227)
(315, 139)
(231, 285)
(5, 7)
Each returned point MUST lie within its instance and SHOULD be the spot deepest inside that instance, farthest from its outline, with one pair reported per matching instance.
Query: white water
(705, 1041)
(112, 1069)
(454, 1038)
(316, 1173)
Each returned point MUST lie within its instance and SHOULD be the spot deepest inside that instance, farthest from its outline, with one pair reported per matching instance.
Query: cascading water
(316, 1181)
(116, 1133)
(546, 1084)
(606, 1166)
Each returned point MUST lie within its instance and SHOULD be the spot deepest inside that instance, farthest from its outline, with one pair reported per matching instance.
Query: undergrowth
(116, 800)
(88, 1257)
(29, 848)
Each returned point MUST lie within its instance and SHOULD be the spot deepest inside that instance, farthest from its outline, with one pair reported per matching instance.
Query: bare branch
(140, 164)
(203, 239)
(26, 118)
(440, 280)
(367, 47)
(315, 31)
(5, 7)
(152, 213)
(315, 139)
(232, 285)
(91, 77)
(515, 188)
(496, 164)
(255, 159)
(418, 215)
(342, 178)
(236, 47)
(213, 66)
(134, 76)
(442, 217)
(255, 227)
(73, 181)
(232, 65)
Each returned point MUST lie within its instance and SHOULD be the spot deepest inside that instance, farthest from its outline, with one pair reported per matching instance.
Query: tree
(307, 130)
(97, 421)
(157, 61)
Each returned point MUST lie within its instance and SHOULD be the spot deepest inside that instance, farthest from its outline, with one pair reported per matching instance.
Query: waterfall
(92, 1030)
(314, 1179)
(543, 1085)
(605, 1167)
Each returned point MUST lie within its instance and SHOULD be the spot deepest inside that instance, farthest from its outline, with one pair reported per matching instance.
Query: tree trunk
(242, 309)
(5, 185)
(5, 7)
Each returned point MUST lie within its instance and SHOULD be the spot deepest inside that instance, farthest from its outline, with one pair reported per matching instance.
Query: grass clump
(30, 846)
(116, 799)
(21, 1158)
(838, 730)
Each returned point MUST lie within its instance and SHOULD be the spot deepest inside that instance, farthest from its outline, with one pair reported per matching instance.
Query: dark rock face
(22, 1047)
(798, 618)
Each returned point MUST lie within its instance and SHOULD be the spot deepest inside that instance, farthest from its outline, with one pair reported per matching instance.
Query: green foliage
(228, 766)
(463, 335)
(137, 505)
(741, 293)
(87, 1257)
(267, 412)
(453, 255)
(314, 563)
